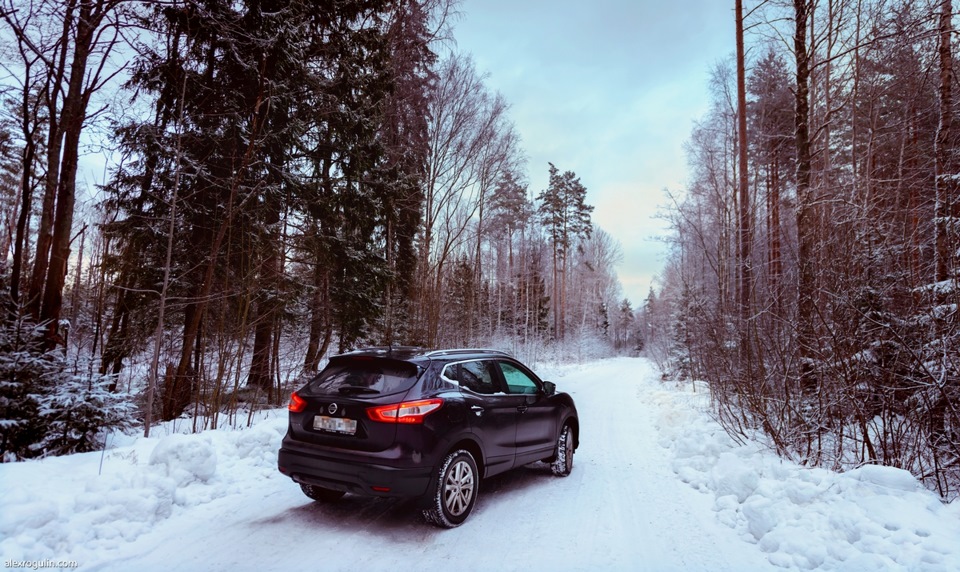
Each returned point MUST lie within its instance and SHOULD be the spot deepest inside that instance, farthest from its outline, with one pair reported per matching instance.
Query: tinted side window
(473, 375)
(517, 380)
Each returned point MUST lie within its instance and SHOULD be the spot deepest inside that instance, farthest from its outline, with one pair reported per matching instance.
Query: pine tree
(771, 131)
(566, 218)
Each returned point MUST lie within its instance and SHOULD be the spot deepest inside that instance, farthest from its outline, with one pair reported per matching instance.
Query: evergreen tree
(566, 219)
(265, 112)
(45, 406)
(771, 132)
(624, 325)
(26, 372)
(406, 147)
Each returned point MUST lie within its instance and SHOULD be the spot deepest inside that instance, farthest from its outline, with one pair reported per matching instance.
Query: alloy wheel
(458, 488)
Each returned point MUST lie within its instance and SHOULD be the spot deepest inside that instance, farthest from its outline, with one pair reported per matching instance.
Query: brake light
(297, 403)
(411, 412)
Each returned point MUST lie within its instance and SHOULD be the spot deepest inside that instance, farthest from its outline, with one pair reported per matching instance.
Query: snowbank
(871, 518)
(70, 506)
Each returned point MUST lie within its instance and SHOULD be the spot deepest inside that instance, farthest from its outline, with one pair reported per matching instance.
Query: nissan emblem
(332, 408)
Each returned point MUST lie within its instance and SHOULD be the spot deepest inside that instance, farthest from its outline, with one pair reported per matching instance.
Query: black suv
(407, 422)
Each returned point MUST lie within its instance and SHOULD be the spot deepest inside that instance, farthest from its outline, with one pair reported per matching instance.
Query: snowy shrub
(77, 409)
(45, 407)
(25, 373)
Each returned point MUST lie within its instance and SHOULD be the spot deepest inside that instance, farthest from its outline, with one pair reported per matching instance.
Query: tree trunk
(320, 323)
(744, 234)
(62, 226)
(164, 288)
(388, 306)
(26, 194)
(78, 274)
(805, 216)
(74, 113)
(477, 268)
(773, 231)
(45, 232)
(556, 297)
(54, 144)
(261, 374)
(946, 188)
(945, 185)
(111, 361)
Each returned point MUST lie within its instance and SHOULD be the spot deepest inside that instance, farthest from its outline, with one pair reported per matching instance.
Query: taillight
(297, 403)
(406, 412)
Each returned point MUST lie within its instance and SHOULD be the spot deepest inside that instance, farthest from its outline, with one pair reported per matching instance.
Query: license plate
(335, 424)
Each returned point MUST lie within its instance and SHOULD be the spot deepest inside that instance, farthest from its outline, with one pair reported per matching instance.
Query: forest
(294, 178)
(813, 272)
(289, 179)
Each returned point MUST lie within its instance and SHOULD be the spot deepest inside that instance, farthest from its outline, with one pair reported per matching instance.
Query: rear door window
(477, 376)
(364, 377)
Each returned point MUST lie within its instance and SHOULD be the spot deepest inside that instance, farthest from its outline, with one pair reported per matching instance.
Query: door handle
(477, 410)
(522, 409)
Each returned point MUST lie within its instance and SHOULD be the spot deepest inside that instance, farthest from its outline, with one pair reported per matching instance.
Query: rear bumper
(363, 477)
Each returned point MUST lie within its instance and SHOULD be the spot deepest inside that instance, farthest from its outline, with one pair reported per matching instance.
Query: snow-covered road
(655, 486)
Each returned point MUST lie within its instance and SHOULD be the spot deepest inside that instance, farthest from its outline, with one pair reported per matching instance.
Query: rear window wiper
(356, 389)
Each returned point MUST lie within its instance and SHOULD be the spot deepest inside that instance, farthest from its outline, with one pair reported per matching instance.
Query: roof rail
(457, 351)
(385, 350)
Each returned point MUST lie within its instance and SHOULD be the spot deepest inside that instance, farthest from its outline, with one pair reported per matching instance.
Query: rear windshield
(364, 377)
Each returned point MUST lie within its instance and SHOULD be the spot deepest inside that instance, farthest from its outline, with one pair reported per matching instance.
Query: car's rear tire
(455, 491)
(563, 463)
(321, 494)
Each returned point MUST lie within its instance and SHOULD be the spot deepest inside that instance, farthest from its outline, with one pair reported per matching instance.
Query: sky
(610, 90)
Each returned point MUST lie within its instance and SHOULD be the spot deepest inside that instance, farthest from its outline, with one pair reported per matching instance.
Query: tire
(455, 491)
(321, 494)
(563, 463)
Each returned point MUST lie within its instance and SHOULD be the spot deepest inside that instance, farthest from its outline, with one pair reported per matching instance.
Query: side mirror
(549, 388)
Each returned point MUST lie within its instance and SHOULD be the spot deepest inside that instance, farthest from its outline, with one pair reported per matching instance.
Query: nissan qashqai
(405, 422)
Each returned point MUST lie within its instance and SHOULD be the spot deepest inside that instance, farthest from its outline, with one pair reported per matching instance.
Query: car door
(492, 412)
(536, 414)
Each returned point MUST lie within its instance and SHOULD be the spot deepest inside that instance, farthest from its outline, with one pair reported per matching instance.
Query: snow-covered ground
(656, 485)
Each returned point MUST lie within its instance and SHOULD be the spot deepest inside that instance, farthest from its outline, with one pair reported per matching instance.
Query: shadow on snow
(386, 516)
